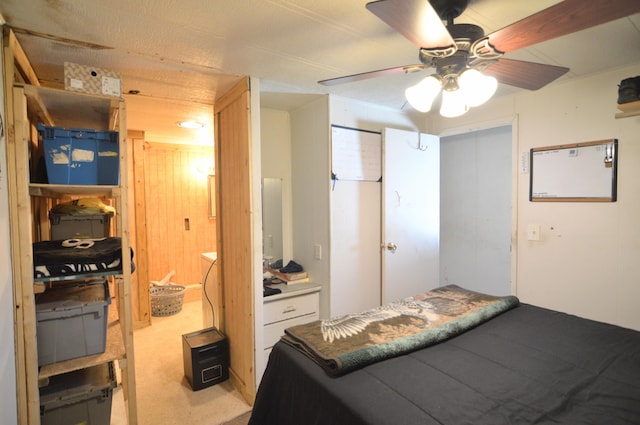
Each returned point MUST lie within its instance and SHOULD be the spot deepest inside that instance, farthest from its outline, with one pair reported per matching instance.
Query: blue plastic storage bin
(81, 156)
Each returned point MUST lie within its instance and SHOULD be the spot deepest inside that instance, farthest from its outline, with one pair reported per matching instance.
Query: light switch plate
(524, 162)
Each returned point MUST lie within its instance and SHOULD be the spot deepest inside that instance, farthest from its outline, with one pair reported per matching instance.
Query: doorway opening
(476, 210)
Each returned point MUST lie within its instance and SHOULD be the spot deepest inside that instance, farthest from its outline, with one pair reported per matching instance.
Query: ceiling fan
(468, 64)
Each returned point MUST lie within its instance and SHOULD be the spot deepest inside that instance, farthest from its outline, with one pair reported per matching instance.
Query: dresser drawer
(274, 331)
(289, 308)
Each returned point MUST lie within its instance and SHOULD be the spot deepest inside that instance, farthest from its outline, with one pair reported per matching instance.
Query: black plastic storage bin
(80, 397)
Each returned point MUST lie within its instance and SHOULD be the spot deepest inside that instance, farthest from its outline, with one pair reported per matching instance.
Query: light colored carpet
(240, 420)
(164, 395)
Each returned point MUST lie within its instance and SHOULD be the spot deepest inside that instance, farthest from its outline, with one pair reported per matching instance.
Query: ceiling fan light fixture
(478, 88)
(453, 104)
(422, 95)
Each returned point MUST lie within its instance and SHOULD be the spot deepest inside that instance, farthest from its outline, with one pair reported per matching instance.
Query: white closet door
(411, 213)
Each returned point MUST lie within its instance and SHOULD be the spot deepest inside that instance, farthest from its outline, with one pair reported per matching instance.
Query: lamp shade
(453, 103)
(477, 88)
(422, 95)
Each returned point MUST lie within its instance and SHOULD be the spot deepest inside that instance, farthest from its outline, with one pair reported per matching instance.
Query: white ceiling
(185, 53)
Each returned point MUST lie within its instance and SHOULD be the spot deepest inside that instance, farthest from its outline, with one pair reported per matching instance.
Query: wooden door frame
(238, 236)
(140, 279)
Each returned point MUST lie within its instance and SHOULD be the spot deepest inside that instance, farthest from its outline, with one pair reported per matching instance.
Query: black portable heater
(206, 358)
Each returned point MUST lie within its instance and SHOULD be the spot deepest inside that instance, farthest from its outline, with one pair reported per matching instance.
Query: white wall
(275, 134)
(356, 220)
(8, 401)
(366, 116)
(311, 168)
(586, 261)
(310, 137)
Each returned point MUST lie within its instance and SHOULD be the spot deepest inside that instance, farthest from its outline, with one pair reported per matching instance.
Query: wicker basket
(166, 300)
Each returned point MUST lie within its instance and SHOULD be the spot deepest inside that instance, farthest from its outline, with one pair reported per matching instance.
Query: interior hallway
(164, 395)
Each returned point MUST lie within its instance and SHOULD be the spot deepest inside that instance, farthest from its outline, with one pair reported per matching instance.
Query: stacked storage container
(72, 320)
(80, 397)
(72, 317)
(81, 156)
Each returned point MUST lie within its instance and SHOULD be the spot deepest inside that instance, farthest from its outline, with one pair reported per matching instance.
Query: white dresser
(296, 305)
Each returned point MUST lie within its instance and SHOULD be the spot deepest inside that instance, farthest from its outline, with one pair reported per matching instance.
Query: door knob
(392, 247)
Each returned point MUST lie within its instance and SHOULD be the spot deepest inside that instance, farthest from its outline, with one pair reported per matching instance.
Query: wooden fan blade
(407, 69)
(416, 20)
(527, 75)
(561, 19)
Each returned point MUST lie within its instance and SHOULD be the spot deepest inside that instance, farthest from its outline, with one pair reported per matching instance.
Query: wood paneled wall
(173, 226)
(178, 225)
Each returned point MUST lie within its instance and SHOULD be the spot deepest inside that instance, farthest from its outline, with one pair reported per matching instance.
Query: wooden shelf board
(629, 106)
(630, 109)
(68, 109)
(77, 276)
(38, 287)
(65, 190)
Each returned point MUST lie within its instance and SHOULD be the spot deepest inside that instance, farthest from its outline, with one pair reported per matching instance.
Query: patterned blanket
(69, 257)
(343, 344)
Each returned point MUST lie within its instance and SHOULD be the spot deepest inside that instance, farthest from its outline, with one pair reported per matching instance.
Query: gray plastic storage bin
(80, 397)
(72, 320)
(73, 226)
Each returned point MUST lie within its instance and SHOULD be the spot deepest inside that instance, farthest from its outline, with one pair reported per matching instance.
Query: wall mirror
(272, 219)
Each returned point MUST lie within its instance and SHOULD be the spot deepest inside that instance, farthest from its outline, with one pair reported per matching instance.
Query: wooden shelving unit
(26, 105)
(630, 109)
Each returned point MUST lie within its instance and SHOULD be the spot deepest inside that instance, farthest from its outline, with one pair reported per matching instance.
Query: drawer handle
(289, 309)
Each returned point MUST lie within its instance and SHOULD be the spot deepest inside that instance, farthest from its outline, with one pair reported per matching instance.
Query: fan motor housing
(463, 34)
(449, 9)
(451, 65)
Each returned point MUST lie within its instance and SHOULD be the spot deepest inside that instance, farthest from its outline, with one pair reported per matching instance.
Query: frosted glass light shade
(453, 103)
(422, 95)
(478, 88)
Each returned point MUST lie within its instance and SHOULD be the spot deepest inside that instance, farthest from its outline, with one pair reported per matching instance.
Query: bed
(522, 365)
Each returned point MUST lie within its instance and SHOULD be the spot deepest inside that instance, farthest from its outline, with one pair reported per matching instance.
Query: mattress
(528, 365)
